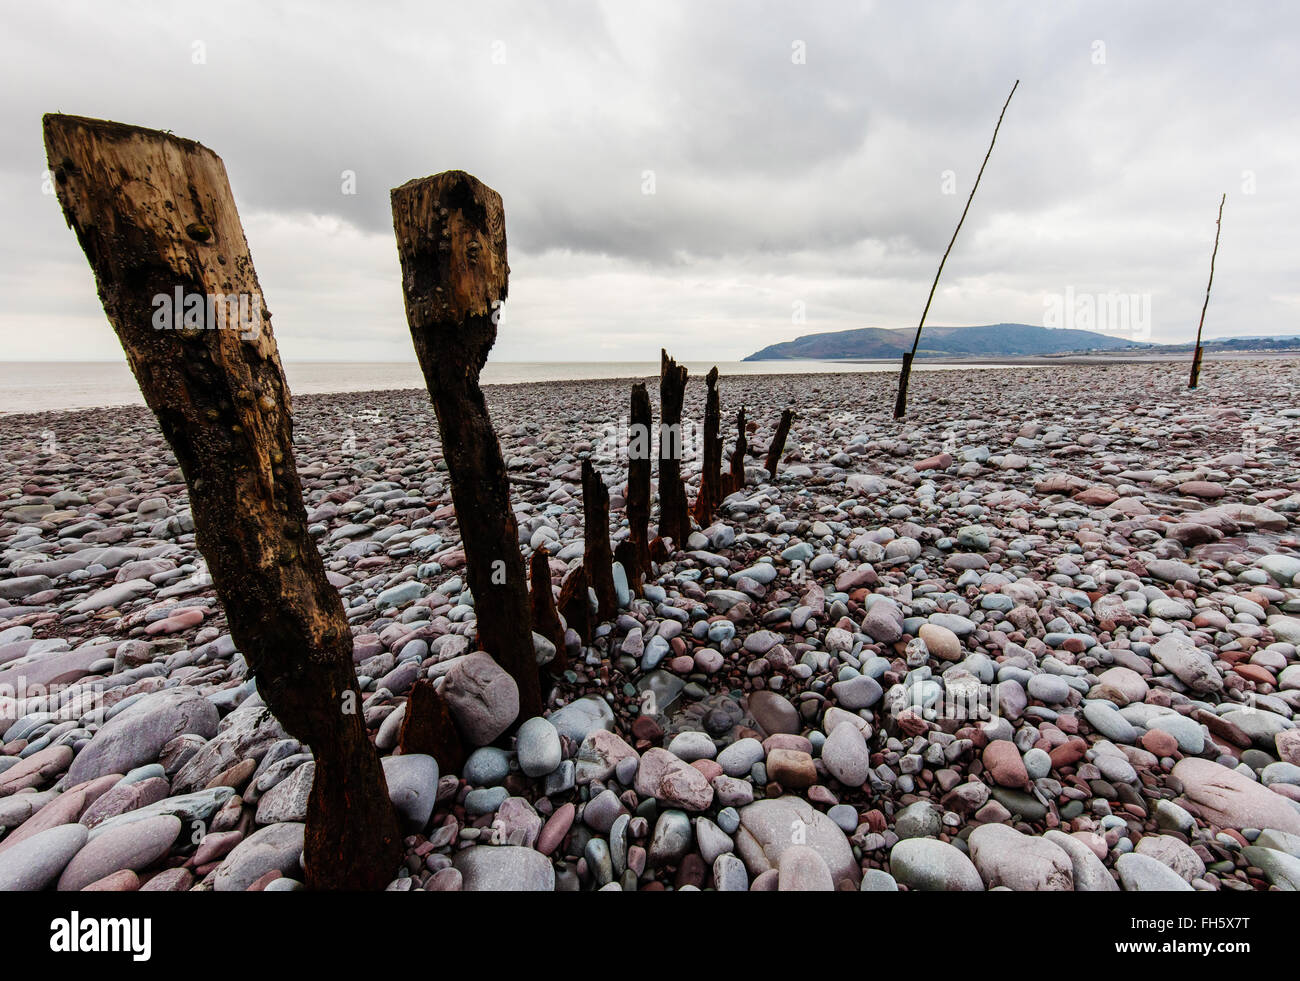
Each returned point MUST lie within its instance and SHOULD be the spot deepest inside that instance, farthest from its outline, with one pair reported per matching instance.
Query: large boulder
(931, 865)
(1090, 875)
(582, 717)
(504, 868)
(1142, 873)
(132, 846)
(1188, 663)
(277, 846)
(1224, 798)
(769, 827)
(33, 864)
(1006, 857)
(412, 786)
(802, 869)
(246, 733)
(137, 735)
(482, 697)
(671, 781)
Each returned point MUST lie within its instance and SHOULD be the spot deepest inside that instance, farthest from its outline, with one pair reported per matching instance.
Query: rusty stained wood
(451, 239)
(598, 557)
(154, 214)
(674, 521)
(778, 442)
(710, 491)
(638, 486)
(541, 601)
(737, 481)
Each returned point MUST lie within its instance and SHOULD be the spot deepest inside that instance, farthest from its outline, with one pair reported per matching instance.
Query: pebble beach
(1041, 634)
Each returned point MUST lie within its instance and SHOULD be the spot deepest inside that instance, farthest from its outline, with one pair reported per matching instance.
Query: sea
(43, 386)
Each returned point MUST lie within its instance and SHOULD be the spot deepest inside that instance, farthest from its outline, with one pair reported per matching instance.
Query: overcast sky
(797, 154)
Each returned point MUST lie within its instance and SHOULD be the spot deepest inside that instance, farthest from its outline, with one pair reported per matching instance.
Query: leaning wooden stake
(156, 219)
(674, 522)
(597, 557)
(900, 403)
(541, 599)
(738, 455)
(1196, 355)
(710, 492)
(451, 237)
(778, 442)
(638, 485)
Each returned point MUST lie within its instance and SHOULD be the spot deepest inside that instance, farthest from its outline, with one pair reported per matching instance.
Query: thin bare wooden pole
(900, 403)
(155, 215)
(1196, 355)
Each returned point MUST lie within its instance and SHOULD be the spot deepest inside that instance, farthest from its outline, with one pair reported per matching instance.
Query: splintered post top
(451, 239)
(167, 198)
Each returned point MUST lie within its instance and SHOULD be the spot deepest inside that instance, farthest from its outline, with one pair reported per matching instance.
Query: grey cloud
(823, 178)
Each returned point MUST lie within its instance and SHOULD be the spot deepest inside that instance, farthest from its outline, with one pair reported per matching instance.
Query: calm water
(42, 386)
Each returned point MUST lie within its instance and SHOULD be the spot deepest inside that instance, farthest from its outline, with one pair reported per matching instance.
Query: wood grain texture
(154, 213)
(710, 492)
(737, 481)
(541, 600)
(597, 556)
(778, 442)
(674, 521)
(451, 239)
(638, 485)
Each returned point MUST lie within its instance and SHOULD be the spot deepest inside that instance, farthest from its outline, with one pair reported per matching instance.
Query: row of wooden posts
(635, 553)
(154, 213)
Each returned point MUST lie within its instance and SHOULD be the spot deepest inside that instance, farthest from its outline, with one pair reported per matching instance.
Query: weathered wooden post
(778, 442)
(738, 455)
(638, 484)
(427, 727)
(674, 522)
(710, 492)
(541, 600)
(597, 558)
(1196, 354)
(451, 238)
(157, 221)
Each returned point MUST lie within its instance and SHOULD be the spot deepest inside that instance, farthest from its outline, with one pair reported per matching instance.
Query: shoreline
(833, 369)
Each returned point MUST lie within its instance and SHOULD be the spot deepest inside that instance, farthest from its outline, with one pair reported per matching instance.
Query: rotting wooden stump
(710, 492)
(428, 728)
(575, 604)
(737, 481)
(597, 557)
(638, 485)
(541, 601)
(451, 238)
(156, 218)
(674, 521)
(904, 380)
(778, 442)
